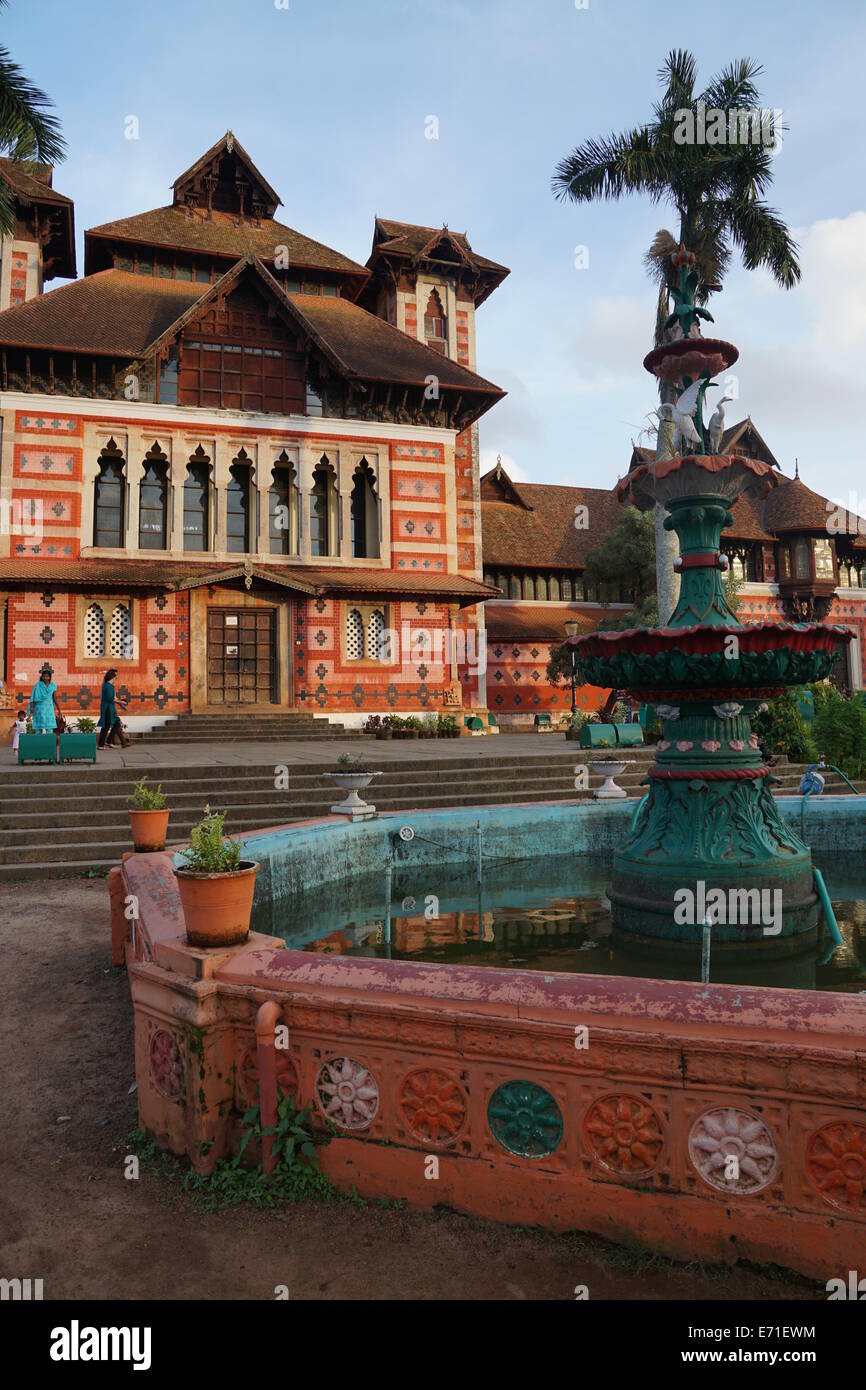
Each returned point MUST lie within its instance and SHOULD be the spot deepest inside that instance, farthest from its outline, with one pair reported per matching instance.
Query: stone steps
(69, 820)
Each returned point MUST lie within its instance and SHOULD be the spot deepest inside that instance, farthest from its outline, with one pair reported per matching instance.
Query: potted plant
(398, 726)
(216, 885)
(148, 818)
(373, 724)
(413, 726)
(448, 726)
(429, 726)
(353, 777)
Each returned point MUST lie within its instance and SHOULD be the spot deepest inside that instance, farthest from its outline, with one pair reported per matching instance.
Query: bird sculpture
(716, 427)
(681, 415)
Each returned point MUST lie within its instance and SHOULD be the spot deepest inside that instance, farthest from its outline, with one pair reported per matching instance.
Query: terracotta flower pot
(217, 907)
(149, 830)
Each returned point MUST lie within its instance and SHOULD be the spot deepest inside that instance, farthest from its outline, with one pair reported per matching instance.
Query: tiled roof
(543, 622)
(792, 506)
(92, 574)
(748, 524)
(376, 351)
(112, 313)
(546, 536)
(32, 181)
(230, 144)
(172, 227)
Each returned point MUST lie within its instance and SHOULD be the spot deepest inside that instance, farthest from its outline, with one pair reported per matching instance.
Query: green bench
(542, 723)
(598, 736)
(629, 735)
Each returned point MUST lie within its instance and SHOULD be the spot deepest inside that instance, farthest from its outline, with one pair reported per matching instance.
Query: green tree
(782, 729)
(28, 130)
(839, 731)
(717, 192)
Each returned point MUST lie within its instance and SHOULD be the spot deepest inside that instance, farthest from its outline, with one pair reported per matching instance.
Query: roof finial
(498, 467)
(230, 141)
(796, 468)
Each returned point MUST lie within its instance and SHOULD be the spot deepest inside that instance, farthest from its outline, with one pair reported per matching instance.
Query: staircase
(60, 821)
(242, 728)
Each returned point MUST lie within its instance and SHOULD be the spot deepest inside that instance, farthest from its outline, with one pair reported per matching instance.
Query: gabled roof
(744, 438)
(227, 145)
(539, 622)
(792, 506)
(31, 183)
(496, 486)
(415, 245)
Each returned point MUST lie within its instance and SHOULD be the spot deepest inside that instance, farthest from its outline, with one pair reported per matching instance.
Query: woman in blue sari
(109, 720)
(43, 707)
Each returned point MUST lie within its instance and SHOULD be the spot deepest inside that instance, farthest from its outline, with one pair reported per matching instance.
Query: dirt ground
(68, 1216)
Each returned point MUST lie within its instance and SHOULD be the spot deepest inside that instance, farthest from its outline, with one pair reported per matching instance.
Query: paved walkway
(296, 751)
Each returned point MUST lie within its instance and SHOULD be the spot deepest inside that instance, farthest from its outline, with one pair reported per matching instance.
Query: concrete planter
(353, 782)
(217, 907)
(609, 771)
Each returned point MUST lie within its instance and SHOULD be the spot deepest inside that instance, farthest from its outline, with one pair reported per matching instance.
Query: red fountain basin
(691, 357)
(699, 663)
(726, 476)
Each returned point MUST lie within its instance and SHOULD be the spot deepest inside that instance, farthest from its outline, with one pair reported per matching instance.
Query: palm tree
(28, 130)
(717, 190)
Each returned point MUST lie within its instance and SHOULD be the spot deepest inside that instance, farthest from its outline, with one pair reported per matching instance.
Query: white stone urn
(609, 771)
(353, 783)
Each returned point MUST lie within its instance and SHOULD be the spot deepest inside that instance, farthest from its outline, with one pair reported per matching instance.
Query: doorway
(241, 656)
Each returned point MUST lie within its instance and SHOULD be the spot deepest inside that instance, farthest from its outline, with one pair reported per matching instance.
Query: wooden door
(241, 656)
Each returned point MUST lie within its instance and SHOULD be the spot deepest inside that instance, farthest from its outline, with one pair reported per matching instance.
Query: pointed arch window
(238, 504)
(153, 501)
(435, 324)
(109, 500)
(323, 510)
(528, 586)
(541, 588)
(365, 513)
(283, 507)
(196, 502)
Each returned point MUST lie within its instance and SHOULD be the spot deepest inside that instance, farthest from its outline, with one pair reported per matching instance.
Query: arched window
(196, 502)
(528, 586)
(109, 502)
(737, 567)
(283, 508)
(323, 510)
(541, 588)
(435, 324)
(802, 568)
(365, 513)
(566, 588)
(238, 505)
(554, 587)
(153, 501)
(844, 576)
(354, 635)
(377, 638)
(94, 631)
(514, 586)
(120, 633)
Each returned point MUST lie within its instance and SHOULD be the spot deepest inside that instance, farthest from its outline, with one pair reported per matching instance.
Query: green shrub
(208, 852)
(84, 725)
(839, 732)
(782, 728)
(142, 799)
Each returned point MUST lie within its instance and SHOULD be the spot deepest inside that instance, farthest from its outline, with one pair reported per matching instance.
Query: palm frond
(764, 240)
(734, 86)
(26, 121)
(607, 168)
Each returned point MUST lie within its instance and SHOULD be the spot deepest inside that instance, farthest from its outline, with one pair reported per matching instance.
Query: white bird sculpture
(681, 415)
(716, 427)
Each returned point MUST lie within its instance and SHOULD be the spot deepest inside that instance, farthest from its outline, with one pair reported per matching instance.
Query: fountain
(708, 841)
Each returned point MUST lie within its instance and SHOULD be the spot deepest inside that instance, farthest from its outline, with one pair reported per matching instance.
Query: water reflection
(543, 914)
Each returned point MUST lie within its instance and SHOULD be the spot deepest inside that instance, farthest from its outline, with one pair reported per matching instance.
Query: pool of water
(548, 914)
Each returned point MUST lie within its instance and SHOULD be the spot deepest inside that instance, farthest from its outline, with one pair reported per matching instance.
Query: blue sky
(330, 98)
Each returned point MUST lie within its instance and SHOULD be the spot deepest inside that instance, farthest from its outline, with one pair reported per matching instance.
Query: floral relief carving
(348, 1093)
(733, 1150)
(836, 1164)
(432, 1106)
(625, 1133)
(525, 1119)
(247, 1082)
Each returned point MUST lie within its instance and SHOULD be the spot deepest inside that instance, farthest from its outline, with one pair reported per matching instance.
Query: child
(18, 728)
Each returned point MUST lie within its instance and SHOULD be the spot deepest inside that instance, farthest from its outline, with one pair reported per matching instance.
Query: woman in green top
(43, 706)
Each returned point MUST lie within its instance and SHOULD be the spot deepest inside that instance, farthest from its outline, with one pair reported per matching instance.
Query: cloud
(614, 336)
(833, 257)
